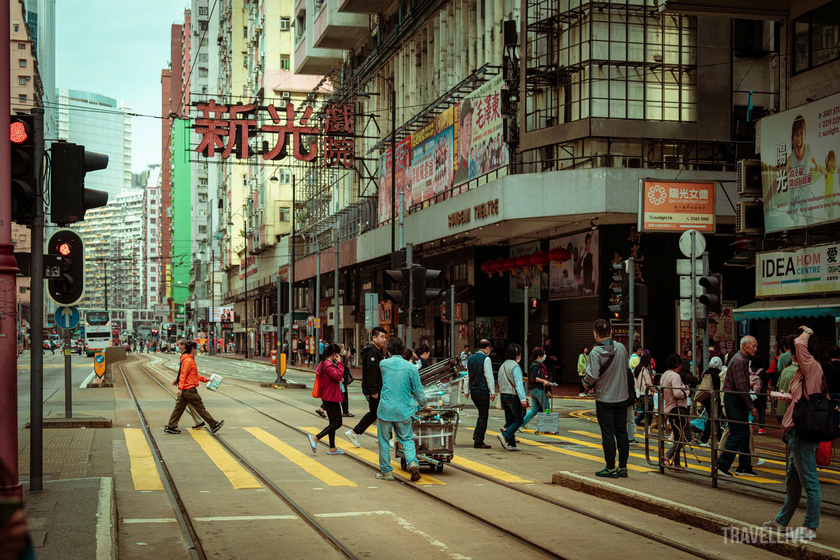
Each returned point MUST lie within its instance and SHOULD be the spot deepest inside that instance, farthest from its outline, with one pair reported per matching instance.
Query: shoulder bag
(814, 416)
(704, 391)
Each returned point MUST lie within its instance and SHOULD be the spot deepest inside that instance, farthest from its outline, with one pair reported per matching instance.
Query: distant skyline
(118, 49)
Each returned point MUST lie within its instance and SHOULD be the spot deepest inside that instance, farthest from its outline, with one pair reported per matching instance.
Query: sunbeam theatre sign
(226, 130)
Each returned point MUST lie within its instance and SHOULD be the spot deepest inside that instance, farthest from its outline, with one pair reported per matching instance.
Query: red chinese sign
(225, 128)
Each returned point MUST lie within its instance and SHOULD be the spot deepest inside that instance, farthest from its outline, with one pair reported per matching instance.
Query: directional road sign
(99, 364)
(67, 317)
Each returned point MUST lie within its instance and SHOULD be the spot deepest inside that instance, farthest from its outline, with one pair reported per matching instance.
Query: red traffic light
(534, 303)
(17, 132)
(64, 249)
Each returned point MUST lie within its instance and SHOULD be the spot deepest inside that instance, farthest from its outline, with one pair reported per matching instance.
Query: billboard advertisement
(578, 276)
(798, 160)
(521, 277)
(402, 181)
(220, 314)
(481, 132)
(806, 270)
(678, 206)
(433, 158)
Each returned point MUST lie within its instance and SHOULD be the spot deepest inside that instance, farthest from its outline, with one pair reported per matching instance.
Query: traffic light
(533, 307)
(619, 307)
(69, 197)
(24, 174)
(68, 288)
(712, 296)
(419, 283)
(401, 277)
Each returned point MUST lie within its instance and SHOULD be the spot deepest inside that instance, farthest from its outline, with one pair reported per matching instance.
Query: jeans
(404, 435)
(482, 403)
(645, 401)
(513, 417)
(739, 434)
(612, 419)
(801, 472)
(369, 417)
(333, 410)
(681, 429)
(538, 404)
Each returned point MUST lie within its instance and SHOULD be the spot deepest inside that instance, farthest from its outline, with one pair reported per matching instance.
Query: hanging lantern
(497, 266)
(559, 254)
(510, 264)
(487, 267)
(523, 261)
(540, 259)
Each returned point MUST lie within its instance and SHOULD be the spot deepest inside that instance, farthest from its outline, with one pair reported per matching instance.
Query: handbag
(704, 390)
(823, 454)
(814, 416)
(316, 385)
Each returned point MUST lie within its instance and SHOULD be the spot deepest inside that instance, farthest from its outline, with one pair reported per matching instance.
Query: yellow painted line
(373, 458)
(306, 462)
(483, 469)
(238, 476)
(144, 470)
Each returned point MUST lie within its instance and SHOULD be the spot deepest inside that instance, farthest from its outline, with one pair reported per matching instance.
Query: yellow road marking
(373, 458)
(237, 475)
(306, 462)
(144, 471)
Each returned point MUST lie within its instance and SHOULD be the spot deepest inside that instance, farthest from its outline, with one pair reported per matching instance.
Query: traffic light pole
(525, 322)
(36, 320)
(693, 344)
(409, 263)
(68, 387)
(706, 330)
(631, 311)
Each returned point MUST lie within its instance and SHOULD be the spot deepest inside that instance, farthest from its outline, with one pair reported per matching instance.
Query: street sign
(371, 310)
(99, 364)
(685, 287)
(684, 266)
(685, 243)
(67, 317)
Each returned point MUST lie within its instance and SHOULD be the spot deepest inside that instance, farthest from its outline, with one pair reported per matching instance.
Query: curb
(106, 521)
(708, 521)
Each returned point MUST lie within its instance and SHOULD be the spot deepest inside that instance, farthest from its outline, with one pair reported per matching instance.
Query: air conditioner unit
(285, 95)
(749, 217)
(749, 177)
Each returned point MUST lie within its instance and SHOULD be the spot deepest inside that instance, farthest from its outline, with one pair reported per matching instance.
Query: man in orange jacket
(188, 381)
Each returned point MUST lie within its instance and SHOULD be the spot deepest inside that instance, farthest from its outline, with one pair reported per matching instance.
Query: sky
(119, 48)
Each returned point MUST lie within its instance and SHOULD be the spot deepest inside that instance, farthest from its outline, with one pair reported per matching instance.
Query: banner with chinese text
(678, 206)
(402, 181)
(481, 133)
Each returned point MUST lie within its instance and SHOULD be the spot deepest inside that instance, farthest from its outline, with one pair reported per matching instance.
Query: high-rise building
(40, 19)
(154, 258)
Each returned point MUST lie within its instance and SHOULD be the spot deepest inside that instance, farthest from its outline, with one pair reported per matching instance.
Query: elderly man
(400, 388)
(738, 407)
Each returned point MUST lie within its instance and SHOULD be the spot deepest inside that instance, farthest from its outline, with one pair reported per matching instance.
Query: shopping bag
(823, 454)
(548, 422)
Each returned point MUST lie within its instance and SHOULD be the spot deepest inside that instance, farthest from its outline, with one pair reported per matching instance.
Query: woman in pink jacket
(676, 408)
(802, 466)
(329, 373)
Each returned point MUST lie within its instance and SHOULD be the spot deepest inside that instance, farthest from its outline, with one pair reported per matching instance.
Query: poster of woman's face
(578, 276)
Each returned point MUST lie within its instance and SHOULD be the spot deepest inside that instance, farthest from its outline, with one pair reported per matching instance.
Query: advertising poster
(433, 158)
(385, 187)
(722, 328)
(500, 328)
(402, 181)
(220, 315)
(678, 206)
(799, 150)
(483, 328)
(578, 276)
(522, 276)
(481, 133)
(806, 270)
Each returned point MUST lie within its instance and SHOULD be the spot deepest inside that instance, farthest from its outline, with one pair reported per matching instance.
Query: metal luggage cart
(434, 437)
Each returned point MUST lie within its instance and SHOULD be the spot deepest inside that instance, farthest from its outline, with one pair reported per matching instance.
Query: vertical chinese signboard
(677, 206)
(481, 133)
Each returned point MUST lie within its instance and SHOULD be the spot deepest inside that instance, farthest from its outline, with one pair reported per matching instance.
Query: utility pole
(36, 316)
(317, 299)
(409, 310)
(336, 326)
(291, 272)
(245, 274)
(631, 307)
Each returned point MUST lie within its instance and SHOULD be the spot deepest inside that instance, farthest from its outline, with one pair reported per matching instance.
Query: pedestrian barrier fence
(716, 430)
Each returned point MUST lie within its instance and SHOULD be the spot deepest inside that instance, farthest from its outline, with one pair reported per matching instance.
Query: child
(797, 168)
(828, 174)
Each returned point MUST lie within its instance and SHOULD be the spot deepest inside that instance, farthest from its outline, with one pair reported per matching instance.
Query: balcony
(312, 60)
(337, 30)
(363, 6)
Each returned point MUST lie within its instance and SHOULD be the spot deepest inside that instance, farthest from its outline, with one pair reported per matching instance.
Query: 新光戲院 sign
(798, 164)
(807, 270)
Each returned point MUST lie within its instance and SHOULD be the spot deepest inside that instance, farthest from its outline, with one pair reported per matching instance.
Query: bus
(97, 331)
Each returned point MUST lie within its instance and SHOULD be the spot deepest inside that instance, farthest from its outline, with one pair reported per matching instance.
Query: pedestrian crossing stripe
(305, 462)
(144, 472)
(238, 476)
(478, 467)
(373, 458)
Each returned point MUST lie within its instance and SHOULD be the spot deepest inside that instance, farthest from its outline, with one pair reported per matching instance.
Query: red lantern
(487, 267)
(539, 259)
(523, 261)
(559, 254)
(510, 263)
(497, 265)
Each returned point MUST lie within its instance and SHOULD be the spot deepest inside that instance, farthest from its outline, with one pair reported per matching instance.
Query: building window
(22, 80)
(21, 46)
(245, 32)
(202, 57)
(284, 214)
(202, 25)
(152, 220)
(816, 37)
(22, 63)
(17, 27)
(22, 288)
(203, 11)
(202, 197)
(284, 62)
(202, 72)
(284, 176)
(202, 229)
(22, 98)
(285, 23)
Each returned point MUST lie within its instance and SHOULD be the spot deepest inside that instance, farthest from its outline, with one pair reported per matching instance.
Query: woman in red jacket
(330, 374)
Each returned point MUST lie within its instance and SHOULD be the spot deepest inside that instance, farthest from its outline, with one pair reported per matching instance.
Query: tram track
(674, 544)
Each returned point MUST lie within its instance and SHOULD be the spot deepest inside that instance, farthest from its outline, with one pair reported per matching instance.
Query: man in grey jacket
(606, 370)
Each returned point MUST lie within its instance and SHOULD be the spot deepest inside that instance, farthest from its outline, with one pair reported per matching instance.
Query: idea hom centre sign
(807, 270)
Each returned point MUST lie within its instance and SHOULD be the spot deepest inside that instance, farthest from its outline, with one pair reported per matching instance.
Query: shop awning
(790, 308)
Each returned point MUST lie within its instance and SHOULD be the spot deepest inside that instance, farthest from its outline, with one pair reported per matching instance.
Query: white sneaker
(503, 441)
(775, 526)
(353, 437)
(582, 395)
(759, 463)
(802, 533)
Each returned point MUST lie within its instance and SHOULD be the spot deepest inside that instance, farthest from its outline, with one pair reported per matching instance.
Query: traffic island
(287, 385)
(729, 528)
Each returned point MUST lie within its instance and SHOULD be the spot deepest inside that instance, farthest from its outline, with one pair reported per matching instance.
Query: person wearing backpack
(802, 466)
